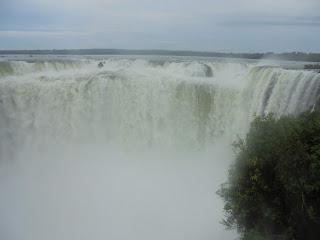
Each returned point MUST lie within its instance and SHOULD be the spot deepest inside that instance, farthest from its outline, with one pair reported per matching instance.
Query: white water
(133, 150)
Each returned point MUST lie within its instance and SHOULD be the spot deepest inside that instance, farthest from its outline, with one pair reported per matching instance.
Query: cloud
(273, 22)
(43, 33)
(146, 23)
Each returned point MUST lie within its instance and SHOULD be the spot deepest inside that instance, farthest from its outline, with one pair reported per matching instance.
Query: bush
(274, 185)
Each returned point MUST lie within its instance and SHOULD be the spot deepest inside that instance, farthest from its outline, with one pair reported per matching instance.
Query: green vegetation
(273, 191)
(292, 56)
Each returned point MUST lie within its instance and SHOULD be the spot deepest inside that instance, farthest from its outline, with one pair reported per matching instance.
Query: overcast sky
(208, 25)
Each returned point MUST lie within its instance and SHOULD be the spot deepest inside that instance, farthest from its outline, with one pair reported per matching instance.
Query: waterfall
(186, 103)
(132, 150)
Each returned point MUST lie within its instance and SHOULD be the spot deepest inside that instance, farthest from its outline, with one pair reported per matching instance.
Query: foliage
(291, 56)
(274, 185)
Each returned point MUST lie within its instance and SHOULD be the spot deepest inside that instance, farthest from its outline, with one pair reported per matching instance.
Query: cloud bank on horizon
(205, 25)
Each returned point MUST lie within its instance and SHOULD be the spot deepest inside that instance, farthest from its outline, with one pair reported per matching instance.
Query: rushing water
(133, 150)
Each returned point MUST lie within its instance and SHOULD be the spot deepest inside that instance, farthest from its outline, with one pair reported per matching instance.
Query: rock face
(208, 71)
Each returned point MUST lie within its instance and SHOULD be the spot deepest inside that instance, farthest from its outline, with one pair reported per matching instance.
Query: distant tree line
(292, 56)
(312, 66)
(273, 191)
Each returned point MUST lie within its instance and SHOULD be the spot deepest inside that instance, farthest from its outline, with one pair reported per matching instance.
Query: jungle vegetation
(273, 190)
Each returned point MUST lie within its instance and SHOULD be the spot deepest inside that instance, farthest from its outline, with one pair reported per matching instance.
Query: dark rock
(312, 66)
(208, 71)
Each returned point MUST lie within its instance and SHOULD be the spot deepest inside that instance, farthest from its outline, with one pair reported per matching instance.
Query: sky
(201, 25)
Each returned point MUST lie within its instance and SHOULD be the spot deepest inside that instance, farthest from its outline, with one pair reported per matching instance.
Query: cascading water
(134, 149)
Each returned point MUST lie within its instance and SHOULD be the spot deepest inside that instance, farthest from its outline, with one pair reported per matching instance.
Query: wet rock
(312, 66)
(208, 71)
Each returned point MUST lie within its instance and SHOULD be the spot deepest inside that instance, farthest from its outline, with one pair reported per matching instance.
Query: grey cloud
(255, 22)
(188, 24)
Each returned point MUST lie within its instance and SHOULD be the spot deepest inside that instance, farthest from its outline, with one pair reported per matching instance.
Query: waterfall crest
(187, 103)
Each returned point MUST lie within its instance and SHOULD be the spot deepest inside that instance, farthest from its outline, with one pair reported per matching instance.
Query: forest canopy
(291, 56)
